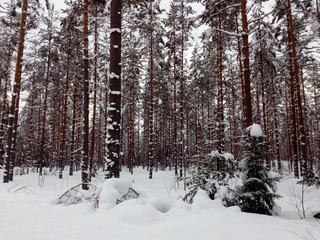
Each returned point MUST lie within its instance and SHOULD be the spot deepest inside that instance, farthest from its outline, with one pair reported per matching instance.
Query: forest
(210, 94)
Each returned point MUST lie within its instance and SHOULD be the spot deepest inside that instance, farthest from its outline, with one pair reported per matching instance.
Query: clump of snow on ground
(111, 191)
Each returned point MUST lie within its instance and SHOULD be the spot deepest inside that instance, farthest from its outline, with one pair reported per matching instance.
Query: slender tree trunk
(276, 125)
(220, 116)
(243, 97)
(151, 120)
(16, 92)
(73, 131)
(85, 141)
(95, 75)
(114, 109)
(63, 147)
(181, 107)
(175, 128)
(131, 128)
(4, 101)
(45, 107)
(14, 135)
(246, 65)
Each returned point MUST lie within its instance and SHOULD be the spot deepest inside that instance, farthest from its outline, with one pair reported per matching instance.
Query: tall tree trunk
(73, 131)
(114, 109)
(175, 128)
(246, 65)
(276, 125)
(181, 107)
(95, 75)
(16, 92)
(151, 120)
(220, 116)
(85, 175)
(63, 147)
(243, 97)
(296, 95)
(4, 99)
(131, 128)
(45, 107)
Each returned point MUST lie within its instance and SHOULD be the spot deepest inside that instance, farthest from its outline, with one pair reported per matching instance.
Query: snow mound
(113, 190)
(162, 204)
(255, 130)
(201, 200)
(137, 211)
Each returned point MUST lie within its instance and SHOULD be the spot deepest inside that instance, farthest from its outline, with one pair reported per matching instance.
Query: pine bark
(95, 76)
(299, 140)
(246, 65)
(85, 141)
(150, 116)
(114, 109)
(16, 92)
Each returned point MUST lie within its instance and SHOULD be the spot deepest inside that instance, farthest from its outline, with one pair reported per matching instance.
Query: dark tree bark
(296, 99)
(175, 147)
(246, 65)
(151, 120)
(131, 128)
(85, 141)
(114, 109)
(16, 92)
(181, 103)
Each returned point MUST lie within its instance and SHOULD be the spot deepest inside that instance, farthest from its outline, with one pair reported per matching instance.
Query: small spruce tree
(259, 186)
(209, 172)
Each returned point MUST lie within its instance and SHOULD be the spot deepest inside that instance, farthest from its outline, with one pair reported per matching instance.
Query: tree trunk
(95, 75)
(296, 100)
(63, 147)
(151, 120)
(85, 175)
(16, 92)
(45, 106)
(246, 65)
(181, 107)
(114, 109)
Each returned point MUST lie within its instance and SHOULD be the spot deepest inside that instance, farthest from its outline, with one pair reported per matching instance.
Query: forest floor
(30, 212)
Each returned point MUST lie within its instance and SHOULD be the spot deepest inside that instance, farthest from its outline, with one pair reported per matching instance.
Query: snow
(111, 190)
(31, 213)
(115, 92)
(315, 26)
(226, 155)
(113, 75)
(255, 130)
(112, 30)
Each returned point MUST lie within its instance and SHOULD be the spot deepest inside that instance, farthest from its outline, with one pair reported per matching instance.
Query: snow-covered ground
(31, 213)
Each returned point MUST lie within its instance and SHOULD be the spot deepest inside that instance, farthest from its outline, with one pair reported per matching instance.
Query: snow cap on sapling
(255, 130)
